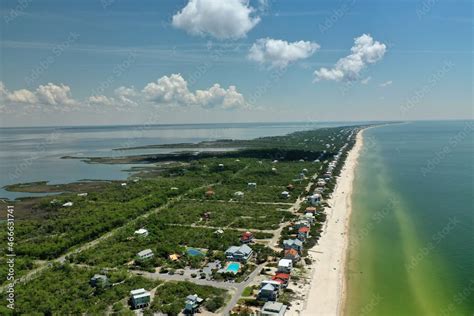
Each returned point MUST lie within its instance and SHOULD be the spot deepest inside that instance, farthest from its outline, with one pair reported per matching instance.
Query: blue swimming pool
(194, 252)
(233, 267)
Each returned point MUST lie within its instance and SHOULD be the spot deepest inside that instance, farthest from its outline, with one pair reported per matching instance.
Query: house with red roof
(303, 233)
(292, 254)
(246, 238)
(283, 278)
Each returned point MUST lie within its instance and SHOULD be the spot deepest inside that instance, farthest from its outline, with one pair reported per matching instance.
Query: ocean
(411, 249)
(33, 153)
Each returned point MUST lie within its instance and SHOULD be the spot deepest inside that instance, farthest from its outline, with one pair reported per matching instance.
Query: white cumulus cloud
(50, 95)
(124, 97)
(173, 90)
(22, 96)
(365, 51)
(279, 53)
(229, 19)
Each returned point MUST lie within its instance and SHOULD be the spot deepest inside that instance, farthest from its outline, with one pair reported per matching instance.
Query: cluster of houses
(271, 289)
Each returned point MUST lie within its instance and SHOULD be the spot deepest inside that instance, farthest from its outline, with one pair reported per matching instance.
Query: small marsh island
(214, 232)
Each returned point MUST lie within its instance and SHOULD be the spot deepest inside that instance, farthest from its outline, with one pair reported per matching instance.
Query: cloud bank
(166, 91)
(279, 53)
(229, 19)
(57, 97)
(364, 52)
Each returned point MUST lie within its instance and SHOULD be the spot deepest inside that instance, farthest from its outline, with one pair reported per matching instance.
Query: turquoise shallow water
(412, 239)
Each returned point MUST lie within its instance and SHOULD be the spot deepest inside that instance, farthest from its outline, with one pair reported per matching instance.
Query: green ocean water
(411, 246)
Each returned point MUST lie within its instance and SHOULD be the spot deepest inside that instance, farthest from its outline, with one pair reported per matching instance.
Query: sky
(111, 62)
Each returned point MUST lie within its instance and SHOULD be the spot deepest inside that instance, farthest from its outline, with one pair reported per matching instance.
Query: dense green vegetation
(170, 297)
(217, 214)
(65, 290)
(170, 201)
(163, 240)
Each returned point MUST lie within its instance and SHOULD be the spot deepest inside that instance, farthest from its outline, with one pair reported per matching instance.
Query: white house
(82, 194)
(142, 232)
(285, 265)
(239, 194)
(145, 254)
(273, 309)
(314, 199)
(252, 185)
(124, 184)
(140, 298)
(285, 194)
(68, 204)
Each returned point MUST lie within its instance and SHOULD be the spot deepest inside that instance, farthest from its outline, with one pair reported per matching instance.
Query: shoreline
(327, 293)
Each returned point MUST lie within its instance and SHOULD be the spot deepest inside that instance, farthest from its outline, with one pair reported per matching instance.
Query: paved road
(240, 288)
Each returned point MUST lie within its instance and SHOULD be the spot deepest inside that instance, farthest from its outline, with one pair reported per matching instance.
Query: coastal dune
(327, 292)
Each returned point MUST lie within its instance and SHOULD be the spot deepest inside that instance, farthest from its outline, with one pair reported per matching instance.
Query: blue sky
(100, 62)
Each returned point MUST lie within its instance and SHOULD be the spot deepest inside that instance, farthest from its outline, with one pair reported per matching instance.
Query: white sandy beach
(327, 292)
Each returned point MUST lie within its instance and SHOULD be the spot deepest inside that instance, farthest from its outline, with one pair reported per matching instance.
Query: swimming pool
(233, 267)
(194, 252)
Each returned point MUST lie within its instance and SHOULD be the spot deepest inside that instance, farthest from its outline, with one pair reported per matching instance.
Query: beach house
(142, 232)
(301, 223)
(99, 280)
(239, 253)
(295, 244)
(310, 209)
(192, 304)
(303, 233)
(285, 265)
(292, 254)
(282, 278)
(139, 298)
(145, 254)
(269, 290)
(246, 238)
(239, 194)
(314, 199)
(308, 217)
(174, 257)
(273, 309)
